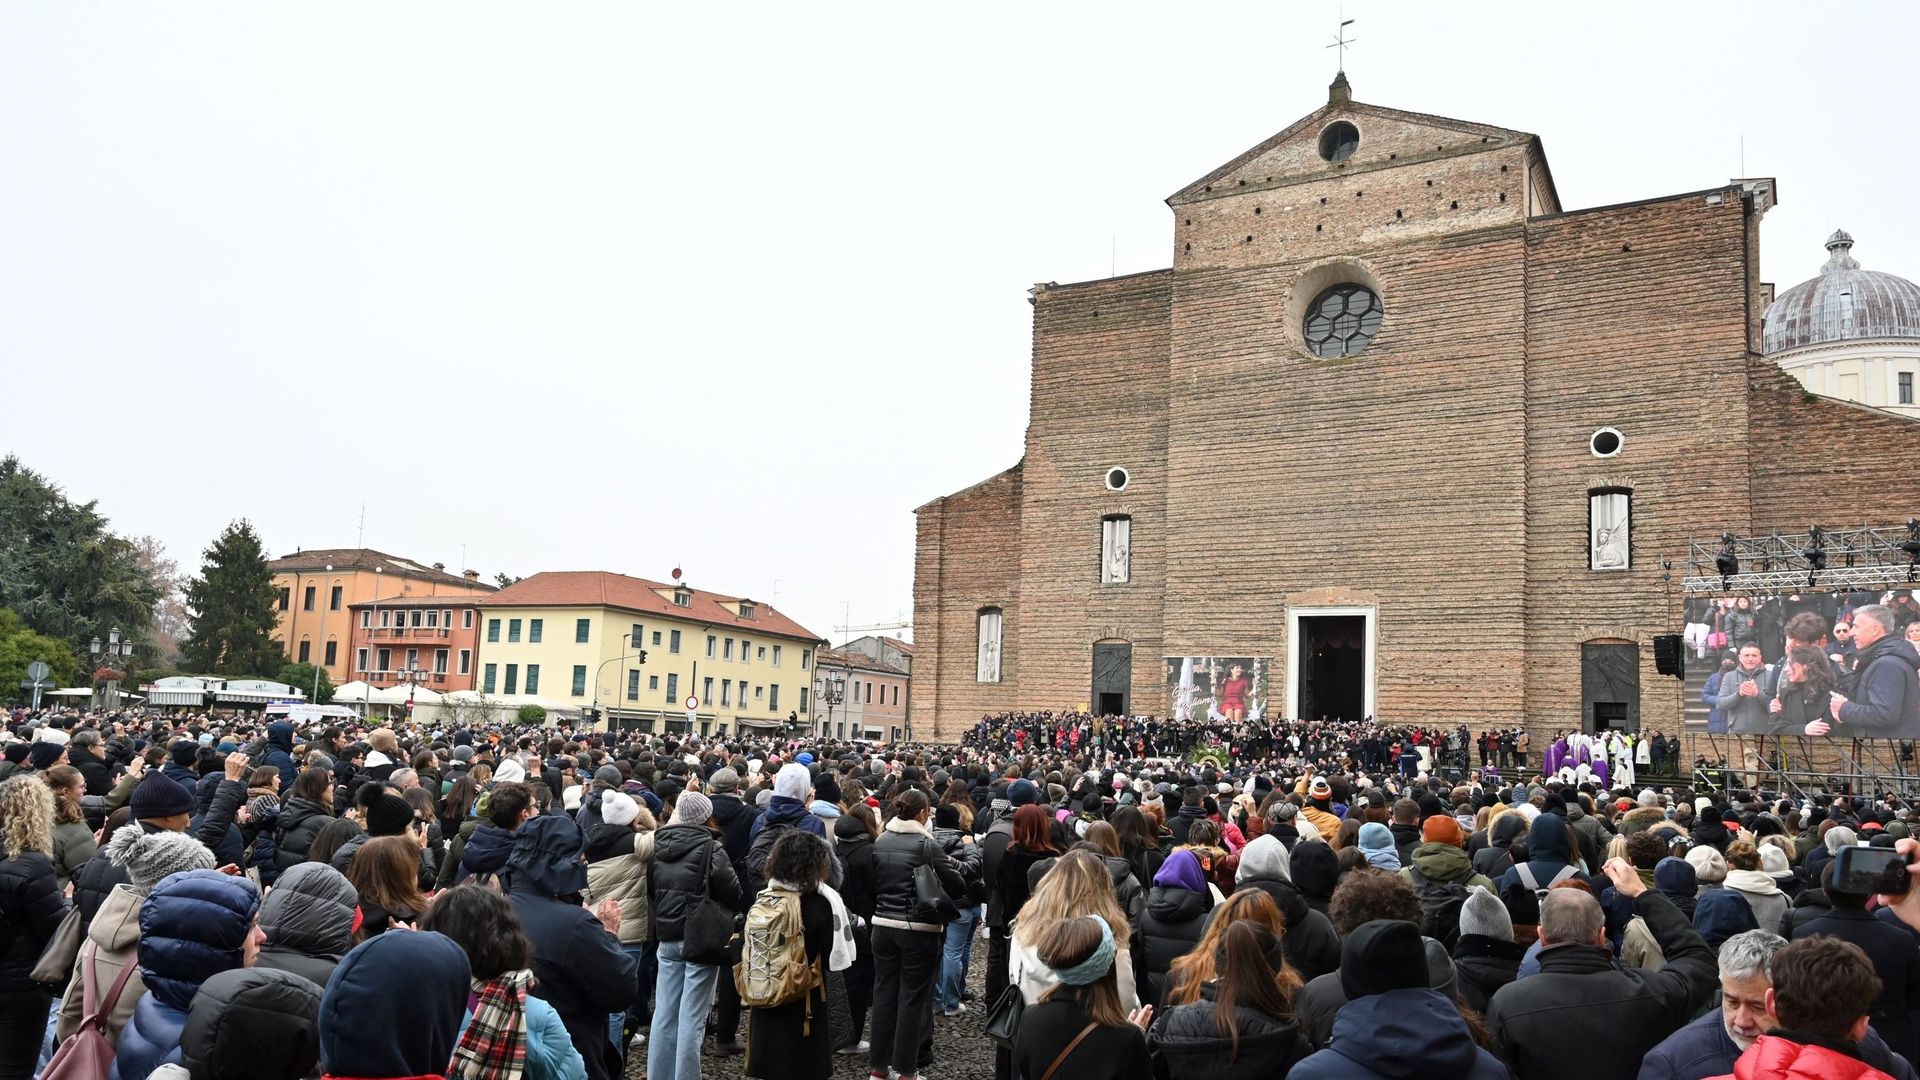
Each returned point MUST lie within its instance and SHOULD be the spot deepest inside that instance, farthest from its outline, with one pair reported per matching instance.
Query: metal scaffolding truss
(1818, 559)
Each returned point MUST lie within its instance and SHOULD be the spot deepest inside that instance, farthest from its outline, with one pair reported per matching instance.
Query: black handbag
(930, 900)
(709, 935)
(1003, 1019)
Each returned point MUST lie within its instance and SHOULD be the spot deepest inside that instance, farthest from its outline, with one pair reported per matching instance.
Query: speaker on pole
(1668, 657)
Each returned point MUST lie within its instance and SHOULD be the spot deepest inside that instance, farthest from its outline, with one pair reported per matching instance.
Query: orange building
(436, 635)
(316, 589)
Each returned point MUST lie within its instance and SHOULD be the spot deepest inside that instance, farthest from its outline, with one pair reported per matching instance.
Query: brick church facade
(1397, 431)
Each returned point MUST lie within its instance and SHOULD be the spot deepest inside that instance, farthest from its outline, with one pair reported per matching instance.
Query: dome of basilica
(1844, 303)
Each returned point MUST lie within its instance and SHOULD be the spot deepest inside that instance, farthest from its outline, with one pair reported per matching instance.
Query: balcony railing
(409, 631)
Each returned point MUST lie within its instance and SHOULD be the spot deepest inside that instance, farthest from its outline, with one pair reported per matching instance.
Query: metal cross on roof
(1341, 41)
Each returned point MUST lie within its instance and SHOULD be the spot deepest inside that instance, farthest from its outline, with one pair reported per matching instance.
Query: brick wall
(966, 558)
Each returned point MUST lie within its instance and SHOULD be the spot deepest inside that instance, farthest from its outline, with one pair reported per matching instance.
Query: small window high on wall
(988, 669)
(1116, 550)
(1609, 529)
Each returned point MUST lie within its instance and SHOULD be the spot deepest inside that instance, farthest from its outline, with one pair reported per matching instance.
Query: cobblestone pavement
(961, 1049)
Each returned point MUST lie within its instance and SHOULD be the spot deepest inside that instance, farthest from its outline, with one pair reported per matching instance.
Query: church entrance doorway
(1330, 672)
(1112, 678)
(1610, 686)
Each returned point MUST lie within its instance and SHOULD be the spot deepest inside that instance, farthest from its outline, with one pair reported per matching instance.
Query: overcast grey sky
(731, 286)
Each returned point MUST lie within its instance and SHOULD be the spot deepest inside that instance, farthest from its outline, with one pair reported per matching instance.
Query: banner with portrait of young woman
(1228, 689)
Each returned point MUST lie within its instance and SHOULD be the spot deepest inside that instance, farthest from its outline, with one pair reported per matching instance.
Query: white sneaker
(955, 1011)
(860, 1047)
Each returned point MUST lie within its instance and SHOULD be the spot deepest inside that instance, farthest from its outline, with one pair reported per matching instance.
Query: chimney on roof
(471, 575)
(440, 567)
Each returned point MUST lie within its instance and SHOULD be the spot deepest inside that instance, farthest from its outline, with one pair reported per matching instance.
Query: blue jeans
(682, 997)
(616, 1024)
(955, 957)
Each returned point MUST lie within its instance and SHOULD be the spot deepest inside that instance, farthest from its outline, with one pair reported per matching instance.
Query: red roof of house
(598, 588)
(369, 559)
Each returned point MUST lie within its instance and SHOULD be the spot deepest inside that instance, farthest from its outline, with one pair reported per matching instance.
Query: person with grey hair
(1710, 1044)
(1637, 1008)
(1886, 689)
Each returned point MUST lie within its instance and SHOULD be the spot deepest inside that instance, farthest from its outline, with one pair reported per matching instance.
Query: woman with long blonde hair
(31, 908)
(1078, 885)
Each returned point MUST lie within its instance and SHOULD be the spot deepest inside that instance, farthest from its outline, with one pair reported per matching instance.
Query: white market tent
(400, 694)
(353, 693)
(74, 692)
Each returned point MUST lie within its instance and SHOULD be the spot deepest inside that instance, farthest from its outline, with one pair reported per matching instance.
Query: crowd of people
(216, 896)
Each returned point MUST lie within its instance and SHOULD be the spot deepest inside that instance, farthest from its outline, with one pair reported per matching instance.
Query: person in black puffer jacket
(1311, 945)
(906, 939)
(689, 865)
(31, 908)
(854, 832)
(1178, 905)
(308, 919)
(304, 813)
(250, 1024)
(1242, 1028)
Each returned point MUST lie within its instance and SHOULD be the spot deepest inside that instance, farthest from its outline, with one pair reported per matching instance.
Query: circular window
(1606, 442)
(1342, 320)
(1117, 479)
(1339, 141)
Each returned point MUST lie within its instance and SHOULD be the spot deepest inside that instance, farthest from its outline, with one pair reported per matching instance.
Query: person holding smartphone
(1852, 877)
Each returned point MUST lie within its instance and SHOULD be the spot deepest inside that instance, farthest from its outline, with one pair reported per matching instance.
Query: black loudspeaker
(1668, 657)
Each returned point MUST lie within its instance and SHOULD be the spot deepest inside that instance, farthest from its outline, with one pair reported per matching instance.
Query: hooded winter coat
(1400, 1035)
(1189, 1040)
(579, 968)
(485, 852)
(1446, 864)
(252, 1022)
(308, 919)
(115, 933)
(1886, 692)
(1548, 853)
(31, 908)
(421, 976)
(1787, 1055)
(280, 752)
(1763, 895)
(1722, 913)
(1311, 945)
(193, 925)
(855, 849)
(1178, 905)
(1315, 870)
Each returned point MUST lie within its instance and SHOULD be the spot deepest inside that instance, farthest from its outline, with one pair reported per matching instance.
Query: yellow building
(314, 591)
(580, 637)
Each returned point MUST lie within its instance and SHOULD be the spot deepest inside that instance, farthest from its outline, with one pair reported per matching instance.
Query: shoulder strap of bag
(95, 1015)
(1071, 1047)
(1565, 873)
(1526, 876)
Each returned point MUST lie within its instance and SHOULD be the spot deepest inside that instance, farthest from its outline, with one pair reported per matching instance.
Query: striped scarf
(494, 1046)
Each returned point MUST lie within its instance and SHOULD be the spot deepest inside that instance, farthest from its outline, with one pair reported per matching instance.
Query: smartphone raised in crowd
(1865, 870)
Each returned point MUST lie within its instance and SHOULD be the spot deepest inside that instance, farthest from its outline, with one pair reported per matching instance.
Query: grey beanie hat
(723, 782)
(692, 808)
(1482, 913)
(608, 775)
(463, 753)
(151, 858)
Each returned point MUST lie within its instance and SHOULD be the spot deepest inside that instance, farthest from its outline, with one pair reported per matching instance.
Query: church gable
(1346, 137)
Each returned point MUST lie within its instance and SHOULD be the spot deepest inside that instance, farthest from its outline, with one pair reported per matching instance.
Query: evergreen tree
(61, 570)
(232, 605)
(20, 646)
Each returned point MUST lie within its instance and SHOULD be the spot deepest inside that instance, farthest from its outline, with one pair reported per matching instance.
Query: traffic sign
(693, 702)
(38, 670)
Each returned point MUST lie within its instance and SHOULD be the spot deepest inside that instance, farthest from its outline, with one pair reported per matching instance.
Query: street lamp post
(593, 703)
(373, 631)
(113, 649)
(833, 690)
(414, 676)
(314, 695)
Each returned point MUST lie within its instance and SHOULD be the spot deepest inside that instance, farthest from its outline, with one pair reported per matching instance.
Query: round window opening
(1342, 321)
(1339, 141)
(1606, 442)
(1116, 479)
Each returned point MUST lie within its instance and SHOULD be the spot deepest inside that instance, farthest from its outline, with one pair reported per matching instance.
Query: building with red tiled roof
(640, 651)
(316, 589)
